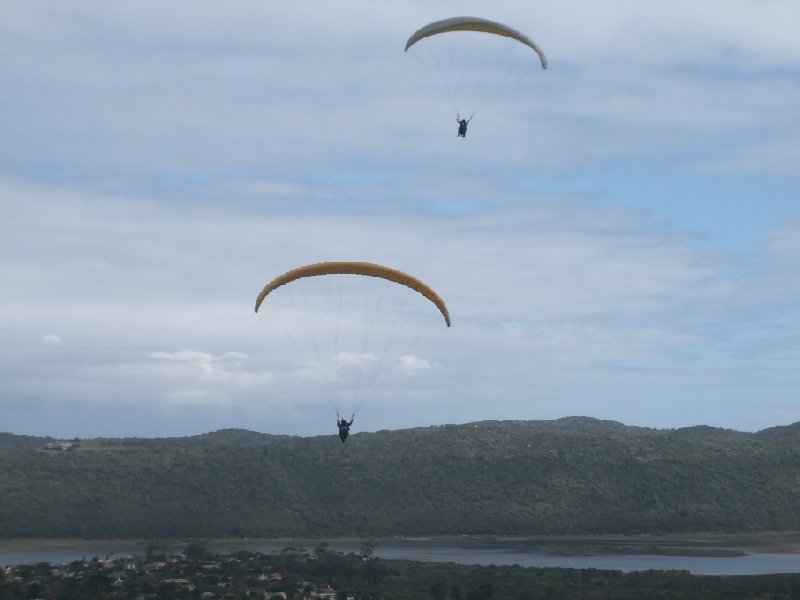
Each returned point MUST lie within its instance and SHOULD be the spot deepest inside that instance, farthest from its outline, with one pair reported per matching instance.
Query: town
(300, 574)
(196, 573)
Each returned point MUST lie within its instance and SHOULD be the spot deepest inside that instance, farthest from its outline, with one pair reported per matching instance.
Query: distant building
(58, 445)
(183, 584)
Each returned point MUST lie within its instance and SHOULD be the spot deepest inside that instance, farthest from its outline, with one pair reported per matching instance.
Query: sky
(617, 236)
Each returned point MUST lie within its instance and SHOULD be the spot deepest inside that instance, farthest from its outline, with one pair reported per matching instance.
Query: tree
(156, 550)
(196, 551)
(367, 550)
(375, 571)
(483, 592)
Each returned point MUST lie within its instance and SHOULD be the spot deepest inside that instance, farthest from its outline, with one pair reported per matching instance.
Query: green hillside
(573, 475)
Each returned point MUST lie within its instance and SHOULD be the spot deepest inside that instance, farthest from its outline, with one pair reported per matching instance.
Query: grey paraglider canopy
(474, 24)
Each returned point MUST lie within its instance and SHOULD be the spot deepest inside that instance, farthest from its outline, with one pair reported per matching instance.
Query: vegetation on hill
(574, 475)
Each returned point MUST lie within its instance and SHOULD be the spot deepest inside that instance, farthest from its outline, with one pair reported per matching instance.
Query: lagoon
(719, 558)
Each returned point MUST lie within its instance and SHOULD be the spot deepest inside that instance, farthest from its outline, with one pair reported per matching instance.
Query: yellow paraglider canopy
(356, 268)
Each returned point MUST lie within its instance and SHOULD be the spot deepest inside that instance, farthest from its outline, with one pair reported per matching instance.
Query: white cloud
(535, 291)
(413, 364)
(355, 359)
(280, 75)
(160, 170)
(197, 397)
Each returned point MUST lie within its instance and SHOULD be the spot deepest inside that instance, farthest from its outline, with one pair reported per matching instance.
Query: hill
(573, 475)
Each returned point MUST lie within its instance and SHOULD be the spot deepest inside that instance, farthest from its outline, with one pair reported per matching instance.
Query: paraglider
(344, 427)
(462, 125)
(344, 336)
(472, 71)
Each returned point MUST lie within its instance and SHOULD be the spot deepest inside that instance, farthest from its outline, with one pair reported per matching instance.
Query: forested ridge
(572, 475)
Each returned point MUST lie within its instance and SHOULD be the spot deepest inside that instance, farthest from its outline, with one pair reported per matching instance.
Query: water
(748, 564)
(753, 563)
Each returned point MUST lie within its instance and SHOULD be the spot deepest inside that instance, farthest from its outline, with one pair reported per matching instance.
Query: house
(183, 584)
(326, 593)
(58, 445)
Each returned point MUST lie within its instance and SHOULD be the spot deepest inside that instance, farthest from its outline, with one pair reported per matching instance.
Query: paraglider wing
(474, 24)
(356, 268)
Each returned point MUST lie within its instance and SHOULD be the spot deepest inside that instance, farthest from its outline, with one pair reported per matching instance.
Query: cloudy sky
(617, 236)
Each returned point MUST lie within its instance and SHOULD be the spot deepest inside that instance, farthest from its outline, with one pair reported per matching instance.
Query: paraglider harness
(462, 125)
(344, 426)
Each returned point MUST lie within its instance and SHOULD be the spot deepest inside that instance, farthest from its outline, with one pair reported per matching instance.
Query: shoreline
(690, 545)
